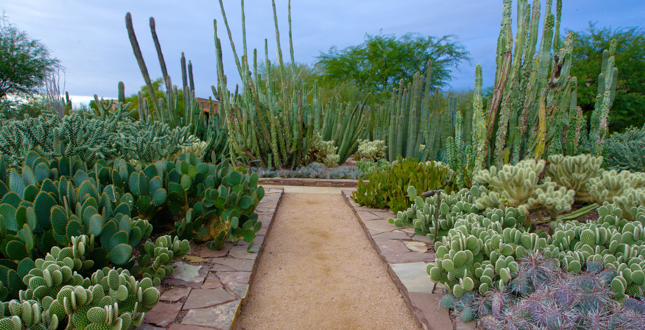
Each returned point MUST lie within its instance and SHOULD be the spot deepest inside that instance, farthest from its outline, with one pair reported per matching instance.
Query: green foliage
(154, 258)
(378, 64)
(272, 120)
(624, 151)
(57, 296)
(104, 135)
(575, 172)
(388, 187)
(368, 166)
(533, 88)
(372, 150)
(49, 203)
(521, 186)
(322, 152)
(629, 53)
(25, 63)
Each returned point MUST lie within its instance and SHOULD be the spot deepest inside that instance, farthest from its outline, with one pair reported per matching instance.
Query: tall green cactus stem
(409, 114)
(535, 87)
(272, 119)
(479, 123)
(139, 56)
(607, 80)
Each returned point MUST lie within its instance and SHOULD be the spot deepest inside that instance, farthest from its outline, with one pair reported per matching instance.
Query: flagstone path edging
(207, 289)
(406, 255)
(347, 183)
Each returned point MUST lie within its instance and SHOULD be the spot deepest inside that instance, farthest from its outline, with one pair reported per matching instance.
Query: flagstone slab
(390, 246)
(179, 326)
(414, 276)
(220, 316)
(146, 326)
(212, 282)
(175, 294)
(398, 258)
(239, 252)
(398, 235)
(208, 253)
(426, 307)
(379, 225)
(201, 298)
(422, 238)
(239, 289)
(368, 216)
(163, 314)
(188, 275)
(242, 265)
(416, 246)
(237, 277)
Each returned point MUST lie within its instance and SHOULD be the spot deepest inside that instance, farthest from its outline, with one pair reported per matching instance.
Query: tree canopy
(629, 105)
(378, 64)
(25, 63)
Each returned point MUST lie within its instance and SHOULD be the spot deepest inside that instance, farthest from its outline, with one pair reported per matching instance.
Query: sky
(91, 41)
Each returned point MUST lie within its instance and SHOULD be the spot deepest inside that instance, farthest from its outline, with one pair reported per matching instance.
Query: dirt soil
(319, 271)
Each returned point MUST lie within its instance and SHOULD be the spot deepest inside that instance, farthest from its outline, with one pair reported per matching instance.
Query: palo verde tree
(382, 61)
(25, 63)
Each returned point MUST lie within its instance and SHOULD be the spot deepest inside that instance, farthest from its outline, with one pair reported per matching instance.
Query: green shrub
(624, 151)
(388, 187)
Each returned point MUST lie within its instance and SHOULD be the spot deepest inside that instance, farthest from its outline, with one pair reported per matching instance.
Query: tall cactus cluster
(532, 88)
(166, 110)
(415, 124)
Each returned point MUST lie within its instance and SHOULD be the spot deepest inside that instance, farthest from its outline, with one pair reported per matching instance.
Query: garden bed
(208, 287)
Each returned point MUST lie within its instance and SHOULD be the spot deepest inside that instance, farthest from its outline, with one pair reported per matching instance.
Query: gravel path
(319, 271)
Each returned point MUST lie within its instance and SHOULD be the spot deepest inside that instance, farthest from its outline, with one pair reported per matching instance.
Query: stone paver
(188, 275)
(239, 251)
(212, 282)
(237, 277)
(393, 235)
(407, 255)
(220, 316)
(240, 289)
(163, 314)
(175, 294)
(211, 286)
(413, 275)
(200, 298)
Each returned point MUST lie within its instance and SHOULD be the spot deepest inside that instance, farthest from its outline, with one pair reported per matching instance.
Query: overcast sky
(91, 41)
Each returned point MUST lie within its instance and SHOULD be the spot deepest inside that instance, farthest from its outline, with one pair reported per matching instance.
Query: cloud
(90, 38)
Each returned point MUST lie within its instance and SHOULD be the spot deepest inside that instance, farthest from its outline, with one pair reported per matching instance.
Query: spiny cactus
(574, 172)
(154, 259)
(624, 150)
(520, 186)
(372, 149)
(612, 183)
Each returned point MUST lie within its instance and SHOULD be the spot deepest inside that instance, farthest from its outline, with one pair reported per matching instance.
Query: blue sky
(91, 41)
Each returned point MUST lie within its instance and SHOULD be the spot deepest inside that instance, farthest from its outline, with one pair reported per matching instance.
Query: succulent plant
(574, 172)
(374, 150)
(154, 259)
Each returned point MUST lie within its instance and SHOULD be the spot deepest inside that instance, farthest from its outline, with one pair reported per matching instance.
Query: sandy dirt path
(318, 271)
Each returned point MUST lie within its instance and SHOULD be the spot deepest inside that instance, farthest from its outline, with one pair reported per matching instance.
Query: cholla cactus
(611, 183)
(372, 149)
(323, 152)
(519, 186)
(574, 172)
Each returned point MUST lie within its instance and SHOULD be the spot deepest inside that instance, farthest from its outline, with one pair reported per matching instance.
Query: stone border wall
(406, 255)
(207, 288)
(346, 183)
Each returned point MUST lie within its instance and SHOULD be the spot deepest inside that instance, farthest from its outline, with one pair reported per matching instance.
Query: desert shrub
(387, 187)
